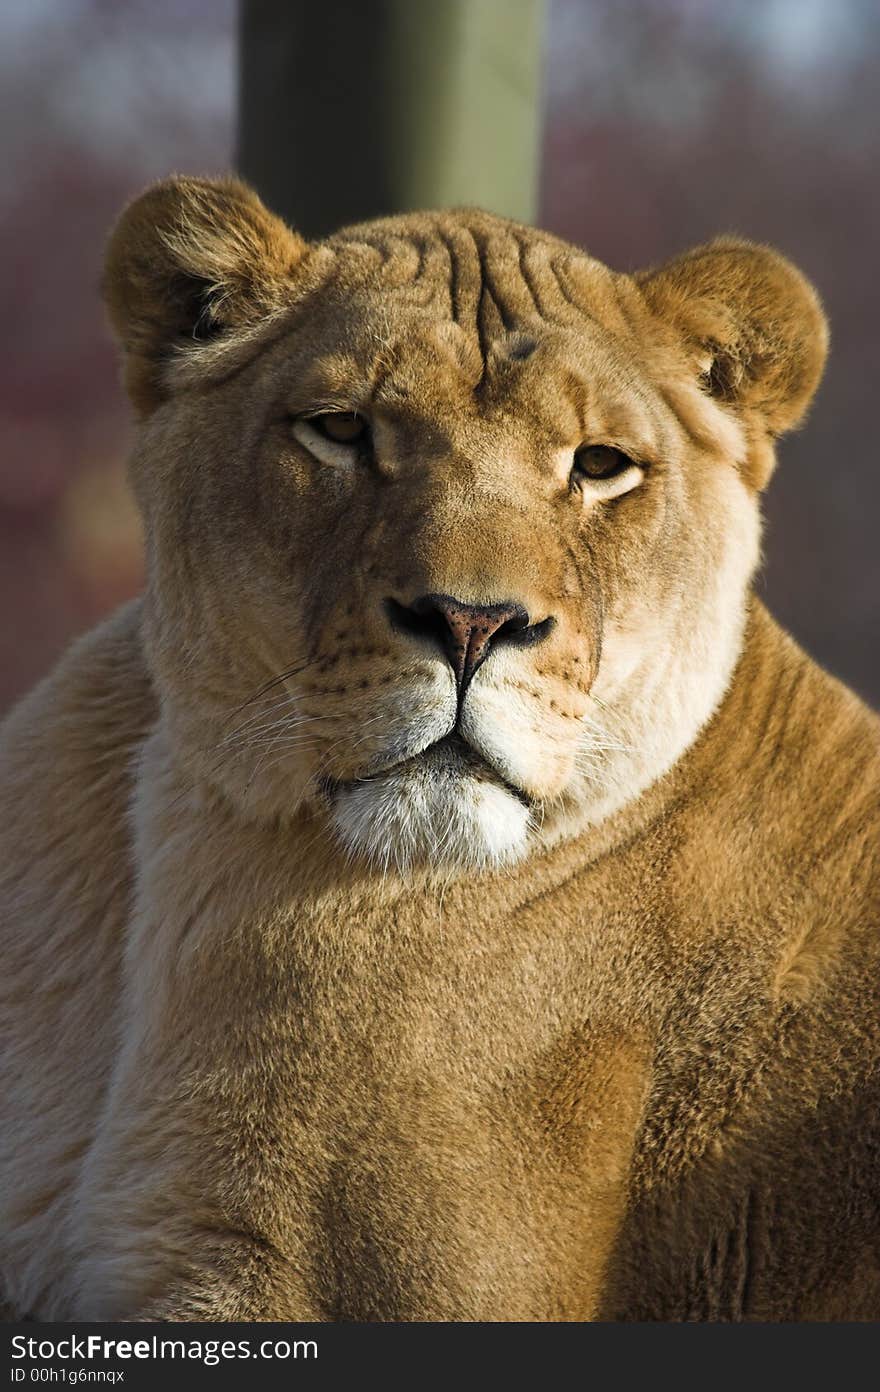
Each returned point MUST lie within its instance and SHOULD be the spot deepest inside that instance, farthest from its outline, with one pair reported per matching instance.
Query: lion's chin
(437, 810)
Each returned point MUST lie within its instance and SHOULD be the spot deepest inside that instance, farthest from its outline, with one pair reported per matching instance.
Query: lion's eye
(600, 462)
(342, 427)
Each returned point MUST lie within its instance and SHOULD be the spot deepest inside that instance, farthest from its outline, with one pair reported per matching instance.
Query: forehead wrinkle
(475, 271)
(530, 275)
(427, 355)
(539, 275)
(485, 291)
(464, 274)
(593, 291)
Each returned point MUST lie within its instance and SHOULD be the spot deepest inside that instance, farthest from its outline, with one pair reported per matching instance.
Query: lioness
(447, 894)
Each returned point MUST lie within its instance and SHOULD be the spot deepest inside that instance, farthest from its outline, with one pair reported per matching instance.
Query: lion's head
(450, 528)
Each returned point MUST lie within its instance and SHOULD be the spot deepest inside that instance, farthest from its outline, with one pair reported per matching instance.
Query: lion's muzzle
(465, 632)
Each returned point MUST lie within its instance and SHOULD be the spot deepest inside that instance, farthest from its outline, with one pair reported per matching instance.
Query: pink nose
(466, 632)
(471, 630)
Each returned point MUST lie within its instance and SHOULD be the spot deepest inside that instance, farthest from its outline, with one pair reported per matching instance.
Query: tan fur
(309, 1017)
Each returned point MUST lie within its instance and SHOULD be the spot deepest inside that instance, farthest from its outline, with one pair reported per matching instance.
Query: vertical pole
(352, 109)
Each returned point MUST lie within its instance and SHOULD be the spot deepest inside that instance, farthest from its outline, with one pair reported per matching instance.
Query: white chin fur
(431, 812)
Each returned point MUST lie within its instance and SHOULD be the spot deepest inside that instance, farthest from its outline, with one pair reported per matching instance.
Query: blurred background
(635, 129)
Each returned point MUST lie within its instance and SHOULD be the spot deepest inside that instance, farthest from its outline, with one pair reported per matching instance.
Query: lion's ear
(191, 259)
(756, 329)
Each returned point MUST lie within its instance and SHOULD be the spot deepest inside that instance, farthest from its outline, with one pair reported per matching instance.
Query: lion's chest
(457, 1126)
(420, 1110)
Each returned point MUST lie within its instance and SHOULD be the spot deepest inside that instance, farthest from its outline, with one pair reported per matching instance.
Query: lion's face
(450, 528)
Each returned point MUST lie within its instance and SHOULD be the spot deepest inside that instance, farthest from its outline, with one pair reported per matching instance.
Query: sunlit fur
(433, 812)
(330, 994)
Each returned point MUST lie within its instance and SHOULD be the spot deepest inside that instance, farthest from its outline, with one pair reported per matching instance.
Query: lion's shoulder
(94, 701)
(65, 770)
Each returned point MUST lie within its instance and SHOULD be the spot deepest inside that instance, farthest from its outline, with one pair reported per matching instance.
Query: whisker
(274, 681)
(289, 700)
(243, 738)
(591, 696)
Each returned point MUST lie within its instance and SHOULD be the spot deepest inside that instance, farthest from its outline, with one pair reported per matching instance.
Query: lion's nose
(467, 632)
